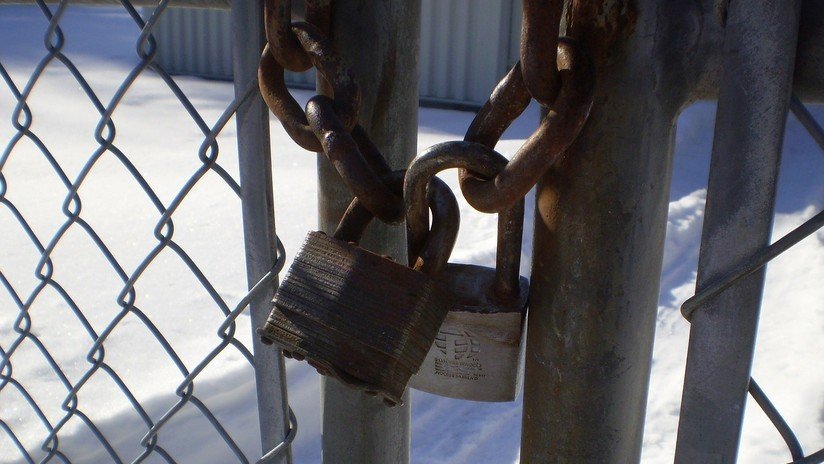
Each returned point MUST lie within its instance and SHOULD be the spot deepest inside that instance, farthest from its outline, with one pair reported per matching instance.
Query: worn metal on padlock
(479, 351)
(361, 317)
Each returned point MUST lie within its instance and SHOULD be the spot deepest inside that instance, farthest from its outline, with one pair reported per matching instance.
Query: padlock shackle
(481, 160)
(438, 242)
(507, 284)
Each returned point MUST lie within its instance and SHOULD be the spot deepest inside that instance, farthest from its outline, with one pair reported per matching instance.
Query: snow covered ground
(162, 141)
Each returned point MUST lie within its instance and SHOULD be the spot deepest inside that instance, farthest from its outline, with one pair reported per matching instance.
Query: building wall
(466, 47)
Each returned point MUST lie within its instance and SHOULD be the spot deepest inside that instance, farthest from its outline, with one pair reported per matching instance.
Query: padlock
(478, 353)
(361, 317)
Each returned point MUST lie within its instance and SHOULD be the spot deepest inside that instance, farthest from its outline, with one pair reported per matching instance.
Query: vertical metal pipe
(758, 62)
(258, 208)
(379, 39)
(600, 223)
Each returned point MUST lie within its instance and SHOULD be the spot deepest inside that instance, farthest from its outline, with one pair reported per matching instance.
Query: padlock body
(356, 316)
(478, 353)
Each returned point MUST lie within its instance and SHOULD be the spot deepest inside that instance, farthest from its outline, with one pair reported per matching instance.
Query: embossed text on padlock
(358, 316)
(479, 351)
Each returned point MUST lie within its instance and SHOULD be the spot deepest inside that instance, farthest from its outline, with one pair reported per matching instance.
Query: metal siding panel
(483, 55)
(440, 49)
(426, 40)
(466, 47)
(460, 58)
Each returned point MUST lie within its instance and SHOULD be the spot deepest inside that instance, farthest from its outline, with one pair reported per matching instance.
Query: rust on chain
(507, 283)
(603, 26)
(319, 14)
(333, 70)
(330, 66)
(343, 152)
(437, 242)
(559, 128)
(418, 185)
(540, 24)
(509, 99)
(283, 104)
(446, 155)
(284, 46)
(357, 217)
(370, 152)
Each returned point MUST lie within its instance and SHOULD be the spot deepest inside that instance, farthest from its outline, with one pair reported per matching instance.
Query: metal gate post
(379, 40)
(258, 207)
(758, 63)
(599, 233)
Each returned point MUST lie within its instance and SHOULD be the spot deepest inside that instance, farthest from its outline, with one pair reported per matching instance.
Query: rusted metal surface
(333, 308)
(343, 152)
(509, 99)
(439, 157)
(287, 51)
(317, 48)
(355, 427)
(557, 131)
(359, 317)
(600, 222)
(333, 70)
(540, 23)
(607, 23)
(283, 104)
(327, 125)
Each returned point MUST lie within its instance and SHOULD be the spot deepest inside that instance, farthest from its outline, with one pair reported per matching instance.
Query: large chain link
(558, 129)
(327, 125)
(554, 71)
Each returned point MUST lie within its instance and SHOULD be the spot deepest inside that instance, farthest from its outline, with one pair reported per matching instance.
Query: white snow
(162, 141)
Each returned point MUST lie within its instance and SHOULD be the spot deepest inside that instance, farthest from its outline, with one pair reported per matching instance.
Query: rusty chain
(327, 125)
(488, 181)
(556, 132)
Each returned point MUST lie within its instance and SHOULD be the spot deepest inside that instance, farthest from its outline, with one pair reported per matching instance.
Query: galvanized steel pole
(258, 207)
(379, 40)
(599, 233)
(758, 62)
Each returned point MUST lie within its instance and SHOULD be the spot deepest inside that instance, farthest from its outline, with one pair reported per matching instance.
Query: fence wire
(163, 232)
(755, 263)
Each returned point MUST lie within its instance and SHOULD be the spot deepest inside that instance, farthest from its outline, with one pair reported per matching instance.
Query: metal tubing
(379, 40)
(758, 61)
(600, 222)
(257, 205)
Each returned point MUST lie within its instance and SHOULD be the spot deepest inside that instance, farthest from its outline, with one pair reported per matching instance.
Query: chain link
(558, 129)
(540, 25)
(488, 182)
(327, 125)
(554, 71)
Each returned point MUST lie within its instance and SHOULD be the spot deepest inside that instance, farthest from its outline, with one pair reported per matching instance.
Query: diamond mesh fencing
(97, 317)
(149, 300)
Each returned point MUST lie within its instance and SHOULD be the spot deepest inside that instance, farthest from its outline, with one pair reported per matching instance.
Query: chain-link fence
(124, 298)
(100, 290)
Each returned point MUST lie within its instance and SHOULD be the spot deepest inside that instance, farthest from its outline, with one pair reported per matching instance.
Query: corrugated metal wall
(466, 46)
